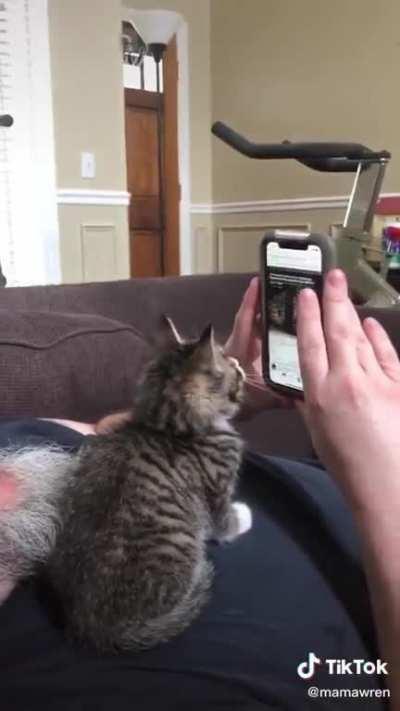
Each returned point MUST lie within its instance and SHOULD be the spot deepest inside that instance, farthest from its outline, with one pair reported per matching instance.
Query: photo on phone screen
(288, 270)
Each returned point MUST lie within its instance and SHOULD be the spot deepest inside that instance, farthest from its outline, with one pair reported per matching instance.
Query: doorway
(151, 127)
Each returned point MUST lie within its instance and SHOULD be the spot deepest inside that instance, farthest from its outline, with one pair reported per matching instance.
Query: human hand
(351, 376)
(244, 343)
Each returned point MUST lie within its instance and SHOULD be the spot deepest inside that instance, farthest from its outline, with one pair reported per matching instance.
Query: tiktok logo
(307, 669)
(342, 666)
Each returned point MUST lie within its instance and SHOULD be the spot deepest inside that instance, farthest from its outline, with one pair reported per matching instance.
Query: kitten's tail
(31, 482)
(145, 633)
(161, 629)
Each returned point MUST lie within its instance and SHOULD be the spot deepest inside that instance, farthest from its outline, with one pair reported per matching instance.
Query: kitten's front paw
(112, 423)
(244, 517)
(7, 585)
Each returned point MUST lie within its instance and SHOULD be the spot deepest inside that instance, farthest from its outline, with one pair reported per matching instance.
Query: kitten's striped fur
(129, 565)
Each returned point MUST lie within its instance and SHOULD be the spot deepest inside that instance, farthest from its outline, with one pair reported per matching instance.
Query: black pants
(291, 586)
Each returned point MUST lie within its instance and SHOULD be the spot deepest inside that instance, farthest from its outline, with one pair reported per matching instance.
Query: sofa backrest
(76, 351)
(191, 301)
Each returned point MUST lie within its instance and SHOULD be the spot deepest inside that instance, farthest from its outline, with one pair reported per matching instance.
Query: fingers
(347, 344)
(248, 308)
(244, 320)
(363, 348)
(343, 343)
(383, 348)
(338, 322)
(311, 342)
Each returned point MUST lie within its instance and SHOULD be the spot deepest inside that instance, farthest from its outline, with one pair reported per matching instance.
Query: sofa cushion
(77, 366)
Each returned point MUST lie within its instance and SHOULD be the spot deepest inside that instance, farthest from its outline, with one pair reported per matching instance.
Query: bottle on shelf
(391, 244)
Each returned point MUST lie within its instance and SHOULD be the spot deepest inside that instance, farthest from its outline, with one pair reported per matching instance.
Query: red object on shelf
(392, 232)
(388, 206)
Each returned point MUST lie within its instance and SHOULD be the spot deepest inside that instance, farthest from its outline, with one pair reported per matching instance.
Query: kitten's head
(189, 385)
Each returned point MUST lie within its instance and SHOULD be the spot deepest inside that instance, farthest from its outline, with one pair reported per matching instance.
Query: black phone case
(328, 262)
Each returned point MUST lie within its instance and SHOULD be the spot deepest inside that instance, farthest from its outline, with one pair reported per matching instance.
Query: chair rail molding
(79, 196)
(327, 202)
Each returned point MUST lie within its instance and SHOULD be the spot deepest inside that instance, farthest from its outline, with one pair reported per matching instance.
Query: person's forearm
(380, 535)
(85, 428)
(106, 425)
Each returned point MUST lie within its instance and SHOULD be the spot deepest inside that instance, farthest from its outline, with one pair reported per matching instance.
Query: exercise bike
(351, 241)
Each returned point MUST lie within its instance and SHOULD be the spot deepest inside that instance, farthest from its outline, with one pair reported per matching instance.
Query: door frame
(185, 230)
(185, 225)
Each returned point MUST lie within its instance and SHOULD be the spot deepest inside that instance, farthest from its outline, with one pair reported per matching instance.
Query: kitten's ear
(167, 335)
(208, 335)
(206, 348)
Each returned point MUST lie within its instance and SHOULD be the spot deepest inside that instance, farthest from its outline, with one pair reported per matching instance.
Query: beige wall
(313, 69)
(89, 116)
(87, 91)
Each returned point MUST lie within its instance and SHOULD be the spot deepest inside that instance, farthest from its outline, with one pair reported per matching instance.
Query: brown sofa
(76, 351)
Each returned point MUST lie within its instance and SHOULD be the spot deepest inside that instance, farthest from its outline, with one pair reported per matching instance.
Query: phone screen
(288, 270)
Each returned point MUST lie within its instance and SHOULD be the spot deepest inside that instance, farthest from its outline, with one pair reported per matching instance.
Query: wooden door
(142, 126)
(152, 175)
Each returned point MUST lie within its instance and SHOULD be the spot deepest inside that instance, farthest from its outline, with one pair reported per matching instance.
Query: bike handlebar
(322, 156)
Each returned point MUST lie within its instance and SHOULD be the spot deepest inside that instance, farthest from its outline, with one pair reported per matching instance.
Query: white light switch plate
(88, 165)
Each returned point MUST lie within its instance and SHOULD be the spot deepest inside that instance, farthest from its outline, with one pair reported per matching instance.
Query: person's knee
(31, 483)
(9, 490)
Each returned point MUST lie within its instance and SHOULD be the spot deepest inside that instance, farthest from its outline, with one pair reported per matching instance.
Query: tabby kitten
(129, 565)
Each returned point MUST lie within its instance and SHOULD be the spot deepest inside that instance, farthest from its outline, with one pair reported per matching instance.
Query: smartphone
(289, 262)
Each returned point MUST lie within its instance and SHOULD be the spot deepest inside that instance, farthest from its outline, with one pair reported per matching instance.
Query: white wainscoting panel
(238, 245)
(99, 253)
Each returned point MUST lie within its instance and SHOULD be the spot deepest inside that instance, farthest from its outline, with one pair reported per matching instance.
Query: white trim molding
(328, 202)
(77, 196)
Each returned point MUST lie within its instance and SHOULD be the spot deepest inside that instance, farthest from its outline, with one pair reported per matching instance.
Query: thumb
(244, 319)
